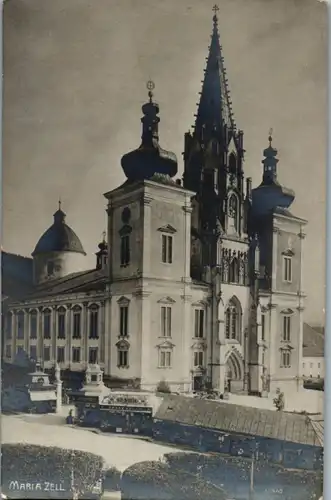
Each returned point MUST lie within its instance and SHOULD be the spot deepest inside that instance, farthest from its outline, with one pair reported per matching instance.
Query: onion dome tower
(270, 194)
(58, 252)
(149, 159)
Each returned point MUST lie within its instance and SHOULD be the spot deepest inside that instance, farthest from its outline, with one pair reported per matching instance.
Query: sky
(75, 74)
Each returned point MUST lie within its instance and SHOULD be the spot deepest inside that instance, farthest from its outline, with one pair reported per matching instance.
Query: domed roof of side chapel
(59, 237)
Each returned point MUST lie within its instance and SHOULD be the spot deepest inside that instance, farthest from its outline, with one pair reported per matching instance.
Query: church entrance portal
(234, 373)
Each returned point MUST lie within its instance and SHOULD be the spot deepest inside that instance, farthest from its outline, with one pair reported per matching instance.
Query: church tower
(149, 228)
(213, 169)
(213, 156)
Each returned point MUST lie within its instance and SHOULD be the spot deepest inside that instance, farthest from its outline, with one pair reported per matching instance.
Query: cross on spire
(215, 9)
(270, 136)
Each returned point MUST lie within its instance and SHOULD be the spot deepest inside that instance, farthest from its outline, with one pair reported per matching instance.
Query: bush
(48, 472)
(163, 387)
(151, 480)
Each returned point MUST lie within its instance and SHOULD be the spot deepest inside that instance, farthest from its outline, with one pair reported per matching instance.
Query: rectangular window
(287, 269)
(60, 354)
(263, 318)
(123, 358)
(33, 324)
(33, 352)
(318, 365)
(263, 358)
(286, 359)
(165, 359)
(124, 321)
(199, 323)
(125, 250)
(20, 325)
(311, 365)
(8, 351)
(94, 318)
(47, 325)
(76, 333)
(303, 365)
(61, 325)
(198, 358)
(76, 354)
(167, 249)
(166, 321)
(93, 355)
(47, 354)
(287, 328)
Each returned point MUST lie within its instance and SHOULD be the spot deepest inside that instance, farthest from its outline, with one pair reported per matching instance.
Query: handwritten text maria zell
(43, 486)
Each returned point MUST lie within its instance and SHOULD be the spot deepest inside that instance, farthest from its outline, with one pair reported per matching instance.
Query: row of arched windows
(63, 321)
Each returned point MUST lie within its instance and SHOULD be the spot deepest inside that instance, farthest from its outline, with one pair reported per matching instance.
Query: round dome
(59, 238)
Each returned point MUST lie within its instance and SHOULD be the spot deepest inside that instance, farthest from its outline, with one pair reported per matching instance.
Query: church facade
(199, 282)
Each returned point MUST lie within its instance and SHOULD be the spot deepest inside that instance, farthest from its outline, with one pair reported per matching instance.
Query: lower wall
(287, 454)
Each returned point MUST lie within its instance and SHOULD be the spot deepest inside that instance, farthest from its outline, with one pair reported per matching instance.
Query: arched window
(33, 324)
(20, 325)
(233, 321)
(9, 325)
(232, 163)
(76, 322)
(61, 323)
(47, 323)
(94, 322)
(234, 270)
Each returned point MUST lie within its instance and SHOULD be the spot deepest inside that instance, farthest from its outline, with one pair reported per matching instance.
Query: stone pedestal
(58, 383)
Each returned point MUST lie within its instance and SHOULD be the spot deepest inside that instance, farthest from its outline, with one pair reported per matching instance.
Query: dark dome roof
(59, 238)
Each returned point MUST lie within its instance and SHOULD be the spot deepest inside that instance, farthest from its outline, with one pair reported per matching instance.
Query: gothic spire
(215, 107)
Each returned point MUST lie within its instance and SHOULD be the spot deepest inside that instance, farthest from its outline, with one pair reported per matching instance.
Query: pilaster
(54, 333)
(102, 333)
(187, 340)
(144, 321)
(275, 233)
(146, 233)
(274, 355)
(187, 209)
(85, 333)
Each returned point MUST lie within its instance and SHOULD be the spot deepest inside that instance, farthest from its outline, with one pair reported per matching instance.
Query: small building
(313, 353)
(33, 393)
(98, 406)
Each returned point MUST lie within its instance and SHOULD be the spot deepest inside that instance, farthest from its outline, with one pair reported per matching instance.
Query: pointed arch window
(61, 323)
(233, 212)
(234, 270)
(232, 163)
(233, 321)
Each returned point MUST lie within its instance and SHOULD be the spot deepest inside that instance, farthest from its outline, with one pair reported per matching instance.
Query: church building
(198, 282)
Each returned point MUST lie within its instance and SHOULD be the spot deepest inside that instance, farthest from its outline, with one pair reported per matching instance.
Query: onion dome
(149, 159)
(102, 254)
(59, 237)
(270, 194)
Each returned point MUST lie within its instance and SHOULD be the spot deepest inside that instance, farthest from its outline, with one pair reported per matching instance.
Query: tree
(151, 480)
(31, 471)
